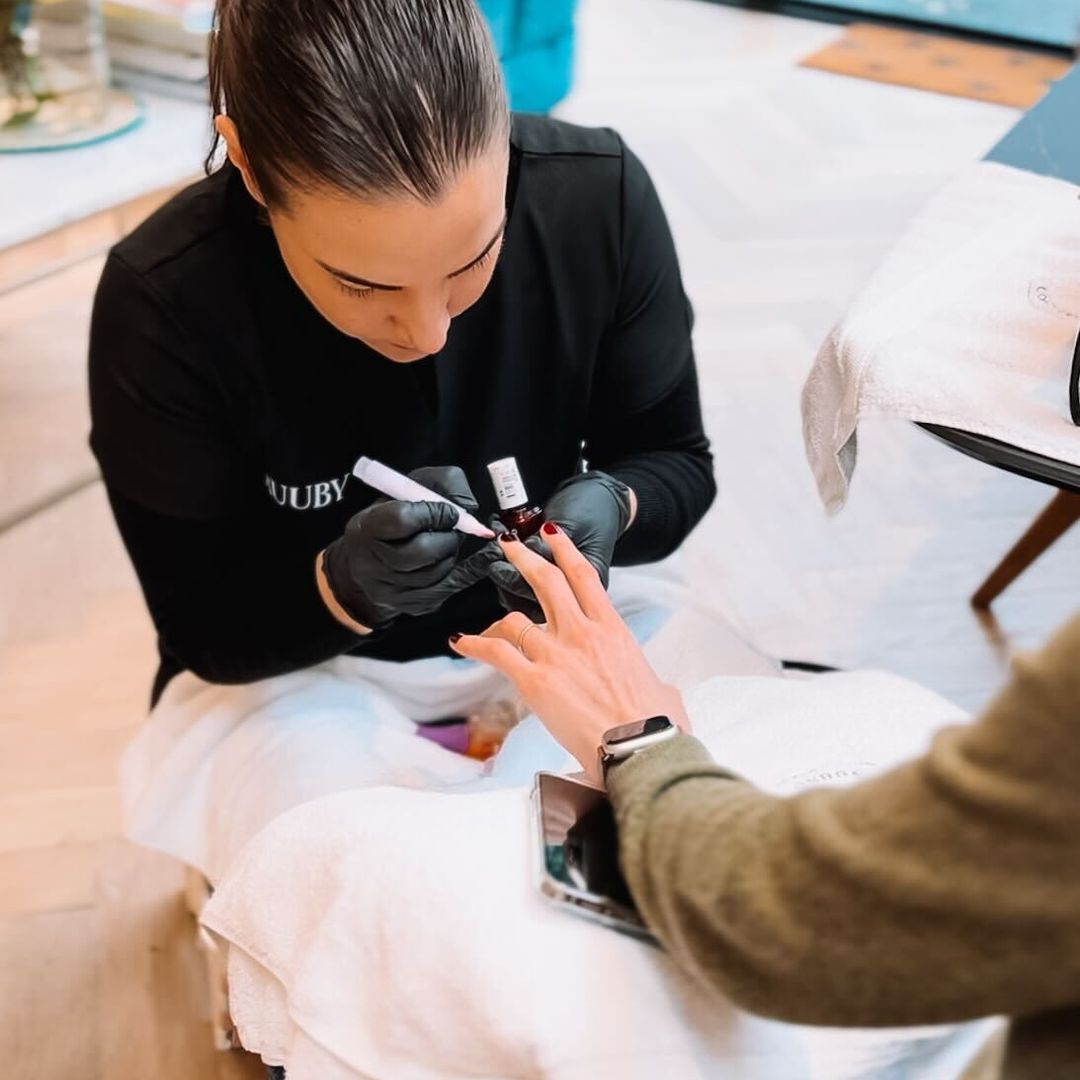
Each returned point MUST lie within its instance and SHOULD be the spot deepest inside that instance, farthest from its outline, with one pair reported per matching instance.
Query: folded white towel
(214, 764)
(969, 323)
(399, 935)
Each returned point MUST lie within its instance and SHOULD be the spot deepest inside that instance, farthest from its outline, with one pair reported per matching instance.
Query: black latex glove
(593, 509)
(402, 558)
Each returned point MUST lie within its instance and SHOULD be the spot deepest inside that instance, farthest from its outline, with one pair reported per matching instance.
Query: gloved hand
(401, 558)
(593, 509)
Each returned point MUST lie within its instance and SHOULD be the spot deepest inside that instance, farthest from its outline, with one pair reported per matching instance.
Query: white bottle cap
(509, 487)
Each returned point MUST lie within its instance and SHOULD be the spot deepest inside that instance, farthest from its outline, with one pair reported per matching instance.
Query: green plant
(21, 89)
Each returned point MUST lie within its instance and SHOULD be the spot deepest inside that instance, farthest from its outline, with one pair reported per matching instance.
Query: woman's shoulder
(186, 261)
(542, 136)
(594, 163)
(171, 294)
(190, 224)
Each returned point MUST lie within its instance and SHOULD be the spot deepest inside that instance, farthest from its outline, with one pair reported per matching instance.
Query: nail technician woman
(388, 266)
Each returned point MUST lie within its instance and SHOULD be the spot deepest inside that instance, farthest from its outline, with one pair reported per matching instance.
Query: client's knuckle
(584, 573)
(538, 681)
(548, 575)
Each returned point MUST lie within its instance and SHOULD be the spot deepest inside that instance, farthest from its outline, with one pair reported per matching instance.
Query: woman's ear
(227, 130)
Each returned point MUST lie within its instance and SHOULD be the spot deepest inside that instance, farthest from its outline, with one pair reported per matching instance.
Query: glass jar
(54, 70)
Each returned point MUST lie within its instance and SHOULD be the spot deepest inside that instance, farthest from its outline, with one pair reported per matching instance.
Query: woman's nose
(423, 326)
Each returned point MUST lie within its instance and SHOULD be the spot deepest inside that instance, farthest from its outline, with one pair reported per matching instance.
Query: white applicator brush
(392, 483)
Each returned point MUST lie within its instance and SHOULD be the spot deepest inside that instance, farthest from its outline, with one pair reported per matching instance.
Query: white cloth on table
(969, 323)
(214, 764)
(399, 935)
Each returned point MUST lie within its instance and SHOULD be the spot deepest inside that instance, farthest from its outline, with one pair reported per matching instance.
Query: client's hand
(584, 672)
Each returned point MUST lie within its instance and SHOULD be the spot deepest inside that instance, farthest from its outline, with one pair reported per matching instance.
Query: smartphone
(578, 847)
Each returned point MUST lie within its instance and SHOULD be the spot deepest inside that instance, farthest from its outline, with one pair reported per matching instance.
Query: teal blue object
(1044, 140)
(1043, 22)
(78, 144)
(535, 41)
(105, 131)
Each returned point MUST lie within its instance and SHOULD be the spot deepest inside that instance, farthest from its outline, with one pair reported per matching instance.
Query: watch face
(636, 730)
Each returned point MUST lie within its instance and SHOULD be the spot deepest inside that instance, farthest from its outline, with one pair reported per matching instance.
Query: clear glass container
(54, 70)
(489, 725)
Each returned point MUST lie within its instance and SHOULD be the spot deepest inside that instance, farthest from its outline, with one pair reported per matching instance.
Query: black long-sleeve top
(227, 413)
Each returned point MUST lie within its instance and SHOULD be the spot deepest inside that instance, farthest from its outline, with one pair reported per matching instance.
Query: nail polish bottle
(489, 726)
(481, 734)
(515, 510)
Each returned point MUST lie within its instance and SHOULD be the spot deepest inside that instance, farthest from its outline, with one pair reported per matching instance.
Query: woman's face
(394, 273)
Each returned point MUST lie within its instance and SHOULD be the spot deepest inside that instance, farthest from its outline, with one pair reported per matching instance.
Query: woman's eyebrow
(354, 280)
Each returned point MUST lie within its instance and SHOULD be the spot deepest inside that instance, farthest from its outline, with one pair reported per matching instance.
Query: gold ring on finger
(521, 638)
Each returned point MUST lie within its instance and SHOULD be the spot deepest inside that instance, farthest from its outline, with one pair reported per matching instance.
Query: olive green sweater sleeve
(945, 889)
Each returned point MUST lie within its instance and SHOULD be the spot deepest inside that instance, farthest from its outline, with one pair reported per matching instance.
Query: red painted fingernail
(510, 537)
(550, 528)
(455, 638)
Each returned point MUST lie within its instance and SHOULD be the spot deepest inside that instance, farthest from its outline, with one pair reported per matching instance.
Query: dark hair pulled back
(368, 97)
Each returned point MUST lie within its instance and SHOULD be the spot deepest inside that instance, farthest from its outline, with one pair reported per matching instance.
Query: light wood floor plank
(49, 982)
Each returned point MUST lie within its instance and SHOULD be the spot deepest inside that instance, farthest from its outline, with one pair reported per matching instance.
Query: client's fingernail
(455, 638)
(550, 528)
(510, 537)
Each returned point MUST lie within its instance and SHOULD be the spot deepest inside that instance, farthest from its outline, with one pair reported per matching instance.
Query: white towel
(214, 764)
(399, 935)
(970, 323)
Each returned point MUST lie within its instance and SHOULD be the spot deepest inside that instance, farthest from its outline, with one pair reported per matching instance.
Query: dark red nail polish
(516, 510)
(550, 528)
(455, 638)
(510, 537)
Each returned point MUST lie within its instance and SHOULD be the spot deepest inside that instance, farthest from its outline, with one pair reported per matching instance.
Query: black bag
(1074, 385)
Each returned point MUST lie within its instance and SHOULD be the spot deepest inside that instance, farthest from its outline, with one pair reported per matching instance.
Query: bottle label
(509, 487)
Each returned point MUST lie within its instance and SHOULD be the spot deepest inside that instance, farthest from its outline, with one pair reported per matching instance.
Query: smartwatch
(620, 743)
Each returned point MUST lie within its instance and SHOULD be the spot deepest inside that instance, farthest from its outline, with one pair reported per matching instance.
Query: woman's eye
(486, 258)
(356, 291)
(483, 260)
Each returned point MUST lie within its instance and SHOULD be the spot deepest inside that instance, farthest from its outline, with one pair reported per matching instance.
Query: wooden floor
(784, 188)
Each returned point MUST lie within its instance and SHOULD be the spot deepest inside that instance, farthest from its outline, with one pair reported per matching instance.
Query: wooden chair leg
(1049, 526)
(196, 894)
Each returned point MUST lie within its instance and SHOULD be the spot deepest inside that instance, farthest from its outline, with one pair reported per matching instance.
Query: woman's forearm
(943, 890)
(673, 490)
(238, 631)
(333, 605)
(662, 454)
(219, 610)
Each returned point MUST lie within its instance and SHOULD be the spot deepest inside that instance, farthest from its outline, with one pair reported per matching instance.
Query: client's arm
(948, 888)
